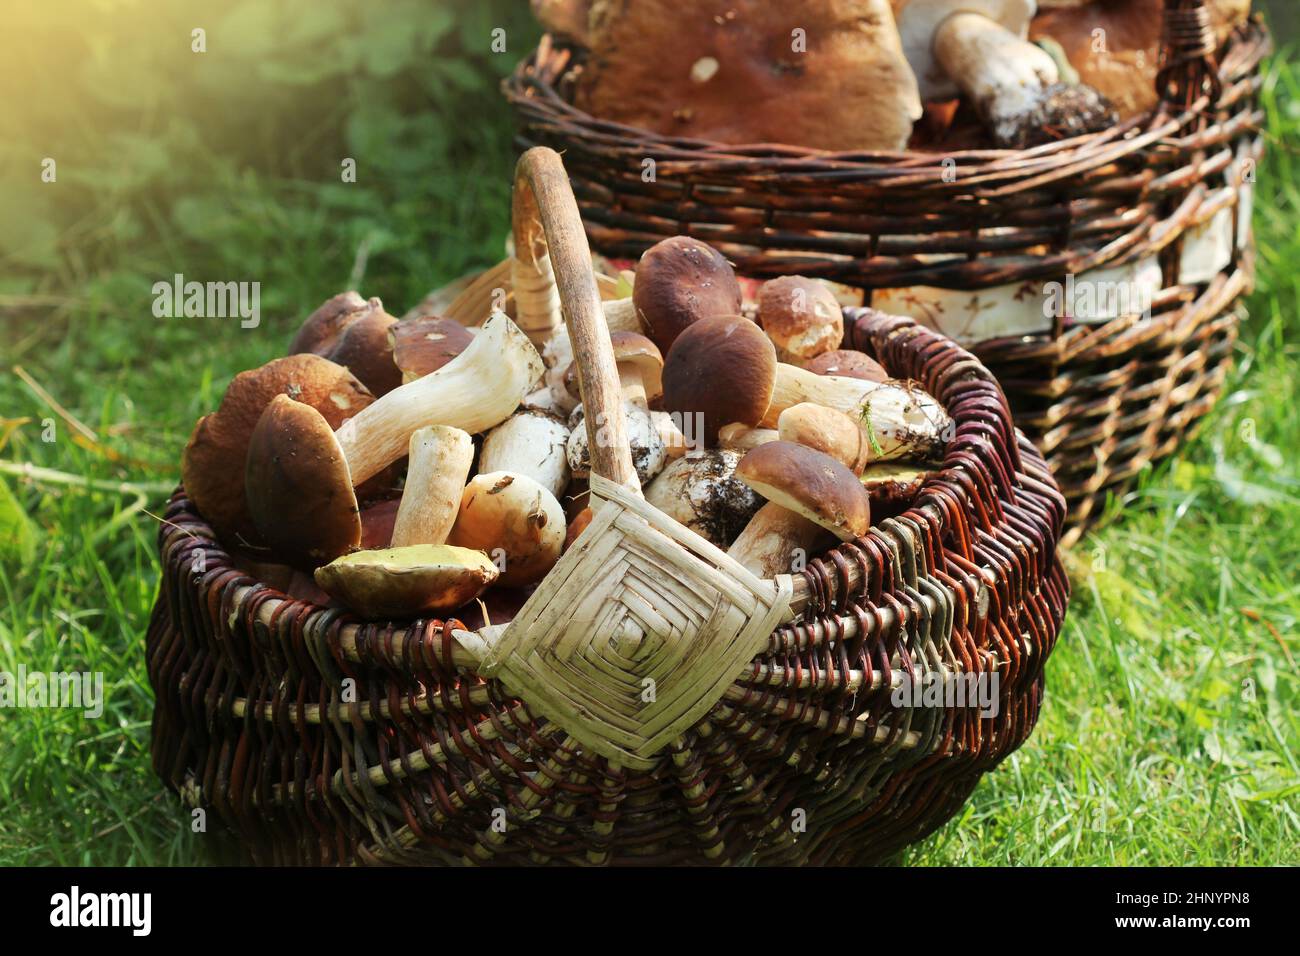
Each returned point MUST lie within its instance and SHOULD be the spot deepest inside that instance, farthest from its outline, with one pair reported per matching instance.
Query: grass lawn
(1170, 731)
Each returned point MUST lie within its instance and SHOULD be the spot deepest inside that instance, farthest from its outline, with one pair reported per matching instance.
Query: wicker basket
(1102, 400)
(770, 736)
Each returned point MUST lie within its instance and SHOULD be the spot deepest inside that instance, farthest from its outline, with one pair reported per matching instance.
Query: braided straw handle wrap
(550, 239)
(1188, 48)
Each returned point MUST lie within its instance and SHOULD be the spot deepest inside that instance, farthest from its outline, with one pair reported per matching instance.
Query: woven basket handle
(1188, 50)
(550, 241)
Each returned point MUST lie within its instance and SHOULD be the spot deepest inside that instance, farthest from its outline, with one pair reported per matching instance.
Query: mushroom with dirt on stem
(980, 48)
(808, 494)
(644, 442)
(701, 492)
(900, 417)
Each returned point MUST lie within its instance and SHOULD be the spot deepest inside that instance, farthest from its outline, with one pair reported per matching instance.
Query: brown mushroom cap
(402, 583)
(801, 316)
(424, 344)
(634, 349)
(720, 370)
(680, 281)
(809, 483)
(366, 351)
(848, 363)
(212, 466)
(320, 331)
(299, 487)
(731, 71)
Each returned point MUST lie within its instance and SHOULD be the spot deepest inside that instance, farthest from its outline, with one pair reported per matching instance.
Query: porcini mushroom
(828, 431)
(439, 459)
(475, 391)
(900, 419)
(640, 368)
(680, 281)
(805, 490)
(741, 438)
(847, 363)
(719, 371)
(648, 452)
(516, 521)
(530, 442)
(801, 316)
(827, 74)
(701, 492)
(212, 466)
(299, 489)
(320, 331)
(424, 344)
(403, 583)
(364, 348)
(979, 48)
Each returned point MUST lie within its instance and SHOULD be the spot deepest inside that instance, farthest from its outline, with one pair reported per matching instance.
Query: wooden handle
(546, 216)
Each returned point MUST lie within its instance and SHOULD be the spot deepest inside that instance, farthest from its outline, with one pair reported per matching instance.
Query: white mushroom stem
(1002, 74)
(740, 437)
(900, 419)
(530, 443)
(777, 540)
(440, 459)
(675, 444)
(557, 350)
(828, 431)
(631, 385)
(475, 391)
(621, 316)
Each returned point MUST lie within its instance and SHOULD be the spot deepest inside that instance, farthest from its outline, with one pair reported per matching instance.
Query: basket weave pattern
(1101, 401)
(318, 739)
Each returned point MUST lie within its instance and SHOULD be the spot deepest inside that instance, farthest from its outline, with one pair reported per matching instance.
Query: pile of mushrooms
(860, 74)
(405, 468)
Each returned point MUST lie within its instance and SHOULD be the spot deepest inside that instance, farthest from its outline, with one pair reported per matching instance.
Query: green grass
(1150, 749)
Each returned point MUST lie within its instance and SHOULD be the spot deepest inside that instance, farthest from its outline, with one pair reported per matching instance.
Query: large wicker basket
(1102, 400)
(770, 736)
